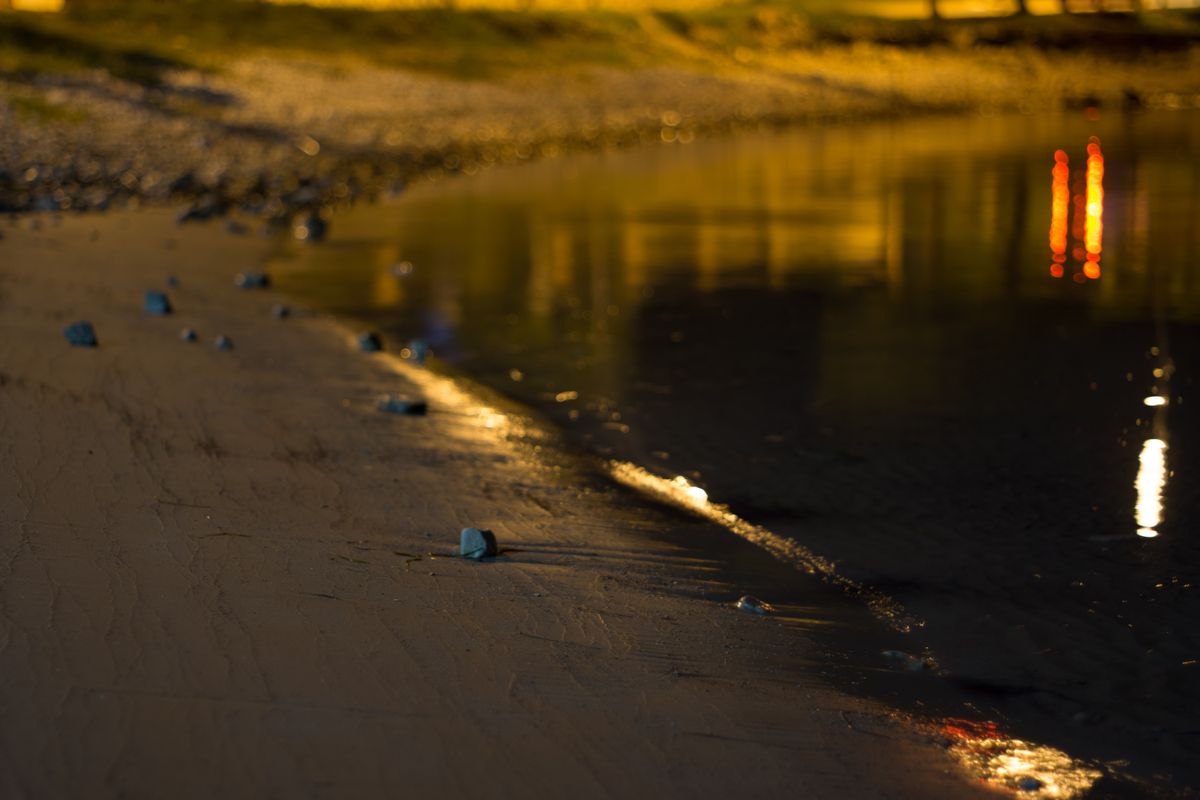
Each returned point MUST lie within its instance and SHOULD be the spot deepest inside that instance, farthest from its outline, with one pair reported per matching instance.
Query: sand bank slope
(215, 576)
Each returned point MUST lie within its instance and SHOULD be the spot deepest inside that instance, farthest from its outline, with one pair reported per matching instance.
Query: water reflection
(1093, 229)
(1152, 476)
(1079, 210)
(847, 337)
(1034, 769)
(1059, 205)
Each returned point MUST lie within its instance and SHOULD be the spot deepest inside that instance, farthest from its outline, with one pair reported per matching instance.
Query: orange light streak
(1094, 209)
(1060, 202)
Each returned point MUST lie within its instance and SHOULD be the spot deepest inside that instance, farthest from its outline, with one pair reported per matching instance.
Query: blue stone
(393, 404)
(157, 303)
(81, 334)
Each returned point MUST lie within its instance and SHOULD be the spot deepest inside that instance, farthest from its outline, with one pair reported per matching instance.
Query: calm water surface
(954, 356)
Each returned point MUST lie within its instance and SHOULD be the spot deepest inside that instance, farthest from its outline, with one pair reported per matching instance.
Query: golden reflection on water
(1077, 215)
(1036, 770)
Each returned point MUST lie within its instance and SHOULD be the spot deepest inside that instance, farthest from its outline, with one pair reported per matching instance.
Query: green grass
(39, 44)
(138, 40)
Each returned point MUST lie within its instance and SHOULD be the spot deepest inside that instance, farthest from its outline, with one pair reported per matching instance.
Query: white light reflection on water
(1037, 770)
(1151, 478)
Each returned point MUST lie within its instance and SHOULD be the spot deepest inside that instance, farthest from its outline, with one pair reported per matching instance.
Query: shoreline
(354, 248)
(135, 611)
(218, 577)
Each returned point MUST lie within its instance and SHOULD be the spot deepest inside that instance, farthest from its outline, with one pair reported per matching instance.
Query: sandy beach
(227, 573)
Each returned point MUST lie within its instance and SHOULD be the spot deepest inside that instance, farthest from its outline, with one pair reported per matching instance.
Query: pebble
(394, 404)
(81, 334)
(1029, 784)
(312, 229)
(223, 343)
(369, 342)
(157, 303)
(172, 281)
(252, 280)
(418, 350)
(280, 311)
(752, 605)
(907, 660)
(477, 544)
(188, 335)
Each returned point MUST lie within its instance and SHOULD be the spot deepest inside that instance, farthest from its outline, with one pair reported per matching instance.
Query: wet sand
(227, 573)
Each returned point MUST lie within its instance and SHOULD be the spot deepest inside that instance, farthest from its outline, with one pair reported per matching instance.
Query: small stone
(81, 334)
(1029, 784)
(752, 605)
(172, 281)
(223, 343)
(312, 229)
(188, 335)
(908, 661)
(235, 228)
(252, 280)
(395, 404)
(477, 544)
(157, 303)
(417, 351)
(369, 342)
(280, 311)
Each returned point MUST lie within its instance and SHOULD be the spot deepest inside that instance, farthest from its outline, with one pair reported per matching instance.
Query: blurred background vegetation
(139, 39)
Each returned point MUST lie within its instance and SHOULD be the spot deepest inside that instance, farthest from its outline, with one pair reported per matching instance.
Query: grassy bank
(277, 109)
(141, 40)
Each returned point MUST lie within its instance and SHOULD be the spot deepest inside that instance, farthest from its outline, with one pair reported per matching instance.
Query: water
(910, 346)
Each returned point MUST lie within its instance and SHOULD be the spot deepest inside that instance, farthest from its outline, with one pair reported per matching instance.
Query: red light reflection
(1076, 215)
(1060, 198)
(1094, 224)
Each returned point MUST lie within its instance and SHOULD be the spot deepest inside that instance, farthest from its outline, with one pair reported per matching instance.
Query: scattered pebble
(1029, 784)
(252, 280)
(477, 544)
(157, 303)
(417, 351)
(188, 335)
(402, 269)
(395, 404)
(81, 334)
(752, 605)
(280, 311)
(908, 661)
(223, 343)
(369, 342)
(312, 229)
